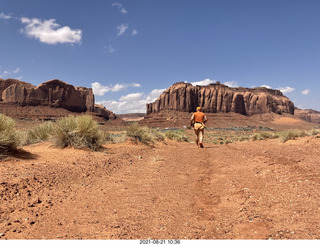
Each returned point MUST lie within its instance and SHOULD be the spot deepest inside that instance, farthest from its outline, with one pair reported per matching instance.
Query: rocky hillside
(54, 94)
(308, 115)
(217, 97)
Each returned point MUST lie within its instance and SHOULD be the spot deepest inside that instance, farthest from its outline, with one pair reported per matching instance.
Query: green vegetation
(178, 135)
(79, 132)
(291, 134)
(285, 135)
(264, 135)
(84, 132)
(41, 133)
(8, 137)
(139, 134)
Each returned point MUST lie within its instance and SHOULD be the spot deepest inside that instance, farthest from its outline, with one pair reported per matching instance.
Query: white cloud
(134, 32)
(203, 82)
(132, 103)
(111, 49)
(306, 91)
(7, 73)
(121, 29)
(131, 97)
(286, 89)
(18, 78)
(232, 84)
(5, 16)
(48, 31)
(266, 86)
(119, 5)
(100, 90)
(208, 81)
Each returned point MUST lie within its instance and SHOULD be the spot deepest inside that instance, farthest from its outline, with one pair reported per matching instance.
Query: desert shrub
(139, 134)
(176, 135)
(291, 134)
(8, 137)
(228, 141)
(157, 135)
(243, 138)
(263, 135)
(79, 132)
(37, 134)
(314, 131)
(116, 138)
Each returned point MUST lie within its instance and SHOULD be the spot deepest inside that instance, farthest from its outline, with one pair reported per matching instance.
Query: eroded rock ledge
(216, 97)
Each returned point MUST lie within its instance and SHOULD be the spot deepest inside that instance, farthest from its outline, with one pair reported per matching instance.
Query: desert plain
(248, 189)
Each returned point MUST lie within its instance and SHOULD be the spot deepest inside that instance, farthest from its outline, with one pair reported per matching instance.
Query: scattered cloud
(119, 6)
(100, 90)
(7, 73)
(232, 84)
(131, 97)
(50, 32)
(121, 29)
(203, 82)
(286, 89)
(132, 103)
(16, 70)
(134, 32)
(111, 49)
(266, 86)
(208, 81)
(18, 78)
(5, 16)
(306, 91)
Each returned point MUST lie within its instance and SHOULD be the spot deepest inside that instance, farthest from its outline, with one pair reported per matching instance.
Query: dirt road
(248, 190)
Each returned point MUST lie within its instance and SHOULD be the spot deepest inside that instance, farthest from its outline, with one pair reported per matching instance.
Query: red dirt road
(248, 190)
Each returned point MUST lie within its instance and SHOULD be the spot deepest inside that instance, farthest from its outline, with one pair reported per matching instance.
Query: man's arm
(192, 119)
(205, 119)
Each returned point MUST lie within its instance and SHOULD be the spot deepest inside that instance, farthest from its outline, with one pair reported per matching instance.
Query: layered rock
(216, 97)
(103, 112)
(54, 93)
(308, 115)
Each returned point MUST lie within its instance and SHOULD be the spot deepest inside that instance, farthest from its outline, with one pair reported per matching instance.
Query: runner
(198, 121)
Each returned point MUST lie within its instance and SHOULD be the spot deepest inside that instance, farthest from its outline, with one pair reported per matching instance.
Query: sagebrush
(139, 134)
(8, 137)
(79, 132)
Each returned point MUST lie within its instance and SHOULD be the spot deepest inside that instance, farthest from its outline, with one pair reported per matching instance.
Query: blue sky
(129, 51)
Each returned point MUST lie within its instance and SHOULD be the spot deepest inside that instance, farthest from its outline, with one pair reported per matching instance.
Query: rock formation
(308, 115)
(217, 97)
(53, 93)
(103, 112)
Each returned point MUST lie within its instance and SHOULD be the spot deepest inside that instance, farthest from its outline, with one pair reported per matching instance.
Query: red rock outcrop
(103, 112)
(308, 115)
(217, 97)
(53, 93)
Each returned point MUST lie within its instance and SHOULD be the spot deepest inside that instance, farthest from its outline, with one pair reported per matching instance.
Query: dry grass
(8, 137)
(79, 132)
(178, 135)
(42, 132)
(139, 134)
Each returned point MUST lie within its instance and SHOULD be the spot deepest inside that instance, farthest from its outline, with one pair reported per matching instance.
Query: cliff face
(308, 115)
(217, 97)
(54, 93)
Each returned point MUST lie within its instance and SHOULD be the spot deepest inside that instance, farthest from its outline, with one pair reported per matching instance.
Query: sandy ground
(247, 190)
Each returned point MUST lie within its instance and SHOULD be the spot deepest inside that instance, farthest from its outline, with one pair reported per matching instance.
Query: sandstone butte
(217, 97)
(53, 93)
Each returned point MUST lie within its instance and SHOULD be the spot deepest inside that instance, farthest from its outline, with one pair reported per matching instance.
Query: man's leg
(197, 136)
(201, 134)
